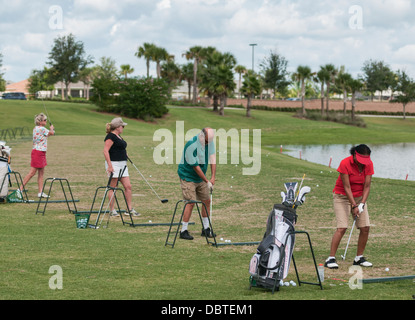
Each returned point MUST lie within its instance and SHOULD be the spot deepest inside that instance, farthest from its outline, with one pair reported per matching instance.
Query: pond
(391, 161)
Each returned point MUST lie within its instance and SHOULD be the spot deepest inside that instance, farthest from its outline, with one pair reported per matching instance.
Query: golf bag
(4, 170)
(4, 182)
(271, 263)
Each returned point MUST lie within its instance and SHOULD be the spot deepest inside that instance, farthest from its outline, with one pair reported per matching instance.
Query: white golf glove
(361, 207)
(210, 186)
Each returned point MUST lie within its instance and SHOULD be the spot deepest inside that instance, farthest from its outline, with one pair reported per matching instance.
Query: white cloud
(305, 32)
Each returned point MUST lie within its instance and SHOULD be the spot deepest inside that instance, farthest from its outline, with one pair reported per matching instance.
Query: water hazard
(391, 161)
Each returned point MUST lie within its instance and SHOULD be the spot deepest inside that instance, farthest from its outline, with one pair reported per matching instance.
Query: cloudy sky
(305, 32)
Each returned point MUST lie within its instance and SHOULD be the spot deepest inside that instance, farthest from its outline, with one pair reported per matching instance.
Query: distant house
(76, 90)
(22, 86)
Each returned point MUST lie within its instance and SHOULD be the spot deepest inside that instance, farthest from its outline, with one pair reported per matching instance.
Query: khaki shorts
(194, 191)
(343, 210)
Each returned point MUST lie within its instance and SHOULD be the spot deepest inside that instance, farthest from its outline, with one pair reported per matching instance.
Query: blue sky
(305, 32)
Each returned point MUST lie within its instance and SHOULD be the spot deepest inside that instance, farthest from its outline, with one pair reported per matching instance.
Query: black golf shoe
(185, 235)
(207, 233)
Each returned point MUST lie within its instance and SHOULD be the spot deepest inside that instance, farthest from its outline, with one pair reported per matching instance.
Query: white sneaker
(114, 213)
(135, 213)
(42, 195)
(362, 262)
(331, 264)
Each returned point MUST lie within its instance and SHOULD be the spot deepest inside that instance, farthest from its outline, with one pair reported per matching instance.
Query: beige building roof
(21, 86)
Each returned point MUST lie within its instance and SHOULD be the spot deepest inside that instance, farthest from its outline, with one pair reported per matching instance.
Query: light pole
(253, 46)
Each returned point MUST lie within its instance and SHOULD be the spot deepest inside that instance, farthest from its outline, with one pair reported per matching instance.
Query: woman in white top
(38, 156)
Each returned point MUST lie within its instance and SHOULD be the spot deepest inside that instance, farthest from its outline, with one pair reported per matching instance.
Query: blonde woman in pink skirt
(38, 156)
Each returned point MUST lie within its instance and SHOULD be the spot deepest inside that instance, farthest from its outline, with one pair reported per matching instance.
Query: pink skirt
(38, 159)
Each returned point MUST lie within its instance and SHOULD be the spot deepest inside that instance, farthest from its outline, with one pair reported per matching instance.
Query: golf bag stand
(270, 265)
(71, 200)
(187, 202)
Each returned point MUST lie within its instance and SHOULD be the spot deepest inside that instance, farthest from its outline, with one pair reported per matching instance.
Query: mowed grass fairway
(123, 262)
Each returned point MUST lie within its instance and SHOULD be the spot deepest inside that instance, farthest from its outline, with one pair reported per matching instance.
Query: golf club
(46, 110)
(348, 241)
(162, 200)
(295, 199)
(211, 206)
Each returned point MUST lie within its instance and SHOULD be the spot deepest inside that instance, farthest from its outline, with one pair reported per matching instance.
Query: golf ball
(386, 269)
(221, 239)
(150, 221)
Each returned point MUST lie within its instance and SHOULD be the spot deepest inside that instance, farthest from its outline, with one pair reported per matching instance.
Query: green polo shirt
(195, 154)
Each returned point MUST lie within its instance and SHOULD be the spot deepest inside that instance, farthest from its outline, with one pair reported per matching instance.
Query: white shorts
(117, 166)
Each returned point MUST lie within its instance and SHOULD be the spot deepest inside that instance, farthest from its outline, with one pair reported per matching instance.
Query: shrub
(144, 98)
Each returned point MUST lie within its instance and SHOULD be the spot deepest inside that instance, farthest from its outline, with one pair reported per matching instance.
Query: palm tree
(126, 69)
(240, 70)
(355, 85)
(198, 54)
(160, 54)
(322, 76)
(341, 82)
(250, 87)
(331, 71)
(187, 75)
(303, 73)
(146, 51)
(217, 77)
(171, 72)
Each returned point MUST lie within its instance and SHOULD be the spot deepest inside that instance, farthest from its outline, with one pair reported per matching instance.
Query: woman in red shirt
(349, 196)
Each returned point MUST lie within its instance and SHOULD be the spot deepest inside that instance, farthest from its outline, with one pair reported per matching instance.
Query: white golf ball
(386, 269)
(221, 239)
(150, 221)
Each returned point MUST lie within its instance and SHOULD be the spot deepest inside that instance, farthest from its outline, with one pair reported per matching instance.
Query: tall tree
(322, 77)
(39, 80)
(250, 87)
(406, 89)
(146, 52)
(217, 77)
(354, 85)
(67, 59)
(377, 76)
(341, 82)
(159, 55)
(302, 74)
(187, 75)
(240, 70)
(197, 54)
(331, 71)
(274, 72)
(172, 74)
(126, 70)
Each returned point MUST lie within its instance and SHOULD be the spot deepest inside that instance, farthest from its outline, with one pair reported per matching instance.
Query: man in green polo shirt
(198, 153)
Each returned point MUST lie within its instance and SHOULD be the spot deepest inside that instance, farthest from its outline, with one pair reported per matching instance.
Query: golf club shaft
(348, 241)
(162, 200)
(211, 209)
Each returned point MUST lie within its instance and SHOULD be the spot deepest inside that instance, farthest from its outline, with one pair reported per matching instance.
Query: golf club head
(301, 195)
(164, 200)
(291, 187)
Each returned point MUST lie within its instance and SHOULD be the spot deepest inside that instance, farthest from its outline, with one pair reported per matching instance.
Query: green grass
(132, 263)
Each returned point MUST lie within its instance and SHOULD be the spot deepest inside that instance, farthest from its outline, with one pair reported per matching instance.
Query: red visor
(363, 159)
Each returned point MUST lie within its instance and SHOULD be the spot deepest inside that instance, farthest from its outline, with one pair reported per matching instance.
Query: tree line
(211, 73)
